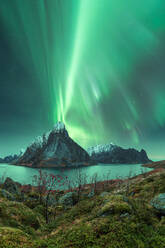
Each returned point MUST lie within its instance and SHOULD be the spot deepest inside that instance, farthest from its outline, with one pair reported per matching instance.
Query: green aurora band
(89, 58)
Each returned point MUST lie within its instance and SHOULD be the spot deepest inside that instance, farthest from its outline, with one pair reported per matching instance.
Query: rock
(106, 213)
(69, 199)
(125, 199)
(132, 193)
(54, 149)
(91, 194)
(103, 194)
(113, 154)
(10, 186)
(158, 202)
(7, 195)
(124, 215)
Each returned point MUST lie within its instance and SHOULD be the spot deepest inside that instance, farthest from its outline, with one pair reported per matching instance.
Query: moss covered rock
(158, 202)
(17, 214)
(14, 238)
(114, 204)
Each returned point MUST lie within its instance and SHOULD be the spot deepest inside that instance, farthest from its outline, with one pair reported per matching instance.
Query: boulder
(68, 199)
(103, 194)
(7, 195)
(10, 186)
(91, 193)
(158, 202)
(125, 215)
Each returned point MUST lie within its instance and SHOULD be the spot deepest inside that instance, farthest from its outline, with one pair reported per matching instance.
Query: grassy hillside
(122, 216)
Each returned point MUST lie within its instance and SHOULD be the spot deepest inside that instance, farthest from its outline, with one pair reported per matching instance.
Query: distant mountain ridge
(54, 149)
(11, 158)
(8, 159)
(113, 154)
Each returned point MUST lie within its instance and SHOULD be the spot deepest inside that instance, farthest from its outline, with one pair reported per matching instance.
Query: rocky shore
(156, 165)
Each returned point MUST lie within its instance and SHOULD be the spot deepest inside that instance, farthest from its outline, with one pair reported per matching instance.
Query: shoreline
(74, 166)
(110, 182)
(155, 165)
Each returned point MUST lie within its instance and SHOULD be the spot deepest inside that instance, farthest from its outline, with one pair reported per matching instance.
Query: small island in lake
(56, 149)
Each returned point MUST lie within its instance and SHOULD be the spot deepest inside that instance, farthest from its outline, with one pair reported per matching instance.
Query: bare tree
(81, 179)
(106, 180)
(93, 181)
(47, 184)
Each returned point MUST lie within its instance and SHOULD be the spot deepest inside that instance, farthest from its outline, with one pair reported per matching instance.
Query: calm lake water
(24, 175)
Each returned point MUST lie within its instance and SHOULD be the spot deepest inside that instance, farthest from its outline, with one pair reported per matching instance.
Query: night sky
(96, 65)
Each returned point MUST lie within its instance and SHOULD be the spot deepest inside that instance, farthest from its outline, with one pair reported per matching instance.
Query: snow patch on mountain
(101, 148)
(54, 148)
(41, 141)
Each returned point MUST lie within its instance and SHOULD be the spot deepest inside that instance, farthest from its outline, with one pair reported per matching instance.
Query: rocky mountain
(114, 154)
(11, 158)
(54, 149)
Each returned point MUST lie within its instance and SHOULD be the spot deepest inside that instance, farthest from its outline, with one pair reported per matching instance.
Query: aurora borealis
(96, 65)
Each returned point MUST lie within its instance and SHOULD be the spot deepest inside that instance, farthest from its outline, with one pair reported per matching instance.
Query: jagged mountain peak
(40, 141)
(53, 149)
(59, 128)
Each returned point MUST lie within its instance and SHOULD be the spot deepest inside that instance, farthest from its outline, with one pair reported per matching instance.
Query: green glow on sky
(77, 50)
(90, 59)
(109, 57)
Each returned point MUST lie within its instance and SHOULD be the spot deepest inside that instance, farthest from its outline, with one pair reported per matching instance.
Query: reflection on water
(24, 175)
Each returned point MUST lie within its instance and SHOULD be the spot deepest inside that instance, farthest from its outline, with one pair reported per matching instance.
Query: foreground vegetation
(112, 214)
